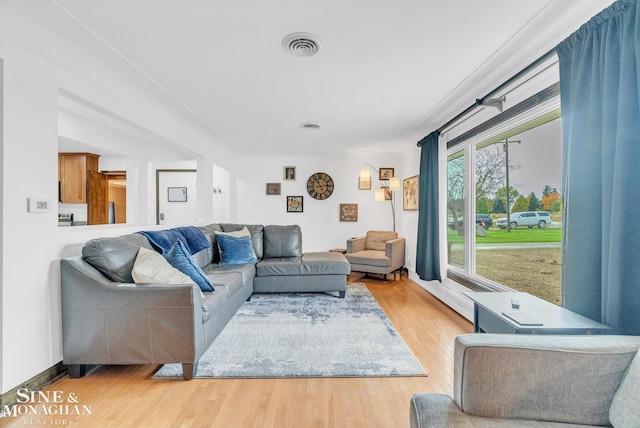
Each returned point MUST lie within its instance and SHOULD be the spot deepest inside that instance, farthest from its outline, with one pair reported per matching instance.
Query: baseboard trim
(36, 383)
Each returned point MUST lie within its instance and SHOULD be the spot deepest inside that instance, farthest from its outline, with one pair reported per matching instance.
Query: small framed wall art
(410, 193)
(348, 212)
(176, 194)
(385, 173)
(387, 193)
(295, 204)
(289, 173)
(273, 188)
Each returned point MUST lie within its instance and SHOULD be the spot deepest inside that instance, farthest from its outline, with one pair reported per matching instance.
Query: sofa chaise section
(285, 268)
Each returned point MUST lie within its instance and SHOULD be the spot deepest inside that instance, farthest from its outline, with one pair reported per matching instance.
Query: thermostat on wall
(37, 205)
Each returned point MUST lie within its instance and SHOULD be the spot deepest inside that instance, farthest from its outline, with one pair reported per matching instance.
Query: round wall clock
(320, 186)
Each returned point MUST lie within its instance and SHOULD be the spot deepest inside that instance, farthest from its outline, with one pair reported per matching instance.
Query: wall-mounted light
(364, 180)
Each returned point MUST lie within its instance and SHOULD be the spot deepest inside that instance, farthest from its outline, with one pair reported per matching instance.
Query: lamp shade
(394, 183)
(379, 195)
(364, 174)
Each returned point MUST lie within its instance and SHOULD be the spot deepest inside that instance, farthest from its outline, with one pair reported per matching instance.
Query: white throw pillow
(151, 268)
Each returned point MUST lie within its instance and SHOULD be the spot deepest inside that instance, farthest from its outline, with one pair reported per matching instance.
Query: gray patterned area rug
(284, 335)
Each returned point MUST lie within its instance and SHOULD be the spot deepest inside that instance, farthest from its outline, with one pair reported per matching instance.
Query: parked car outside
(482, 219)
(526, 218)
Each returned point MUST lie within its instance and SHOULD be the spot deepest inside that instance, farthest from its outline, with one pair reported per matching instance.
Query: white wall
(221, 203)
(320, 222)
(32, 244)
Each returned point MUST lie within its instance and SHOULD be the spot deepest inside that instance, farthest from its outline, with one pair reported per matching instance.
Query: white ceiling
(388, 71)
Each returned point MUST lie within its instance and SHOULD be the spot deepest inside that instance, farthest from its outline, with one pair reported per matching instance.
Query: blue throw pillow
(178, 257)
(235, 250)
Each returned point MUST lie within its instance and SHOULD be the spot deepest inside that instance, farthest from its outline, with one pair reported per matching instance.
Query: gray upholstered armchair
(379, 252)
(503, 380)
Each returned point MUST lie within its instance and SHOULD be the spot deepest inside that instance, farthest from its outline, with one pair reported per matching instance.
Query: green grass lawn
(499, 236)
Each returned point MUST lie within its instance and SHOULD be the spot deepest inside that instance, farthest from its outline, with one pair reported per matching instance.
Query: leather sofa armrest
(84, 287)
(356, 244)
(570, 379)
(105, 322)
(394, 249)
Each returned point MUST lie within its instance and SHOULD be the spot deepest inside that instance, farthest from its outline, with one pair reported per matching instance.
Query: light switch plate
(37, 205)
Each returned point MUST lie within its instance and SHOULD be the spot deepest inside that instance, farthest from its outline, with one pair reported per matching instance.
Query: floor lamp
(386, 192)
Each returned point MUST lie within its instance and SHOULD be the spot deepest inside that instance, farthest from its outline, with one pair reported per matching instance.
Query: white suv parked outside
(526, 218)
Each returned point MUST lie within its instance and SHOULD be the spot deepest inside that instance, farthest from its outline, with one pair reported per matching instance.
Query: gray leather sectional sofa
(108, 319)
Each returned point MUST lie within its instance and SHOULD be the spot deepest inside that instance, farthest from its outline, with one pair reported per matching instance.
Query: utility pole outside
(506, 154)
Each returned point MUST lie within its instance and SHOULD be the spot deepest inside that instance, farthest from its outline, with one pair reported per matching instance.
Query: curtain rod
(480, 101)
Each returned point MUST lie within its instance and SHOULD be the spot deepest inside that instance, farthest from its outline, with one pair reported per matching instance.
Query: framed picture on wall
(385, 173)
(289, 173)
(348, 212)
(387, 193)
(273, 188)
(410, 193)
(294, 204)
(177, 194)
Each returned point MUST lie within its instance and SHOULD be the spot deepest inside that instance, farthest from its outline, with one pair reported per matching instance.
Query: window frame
(543, 106)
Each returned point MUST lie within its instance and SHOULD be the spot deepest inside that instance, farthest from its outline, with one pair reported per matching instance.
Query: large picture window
(504, 207)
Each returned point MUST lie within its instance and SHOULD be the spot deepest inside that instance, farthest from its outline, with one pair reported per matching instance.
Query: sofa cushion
(325, 263)
(571, 380)
(209, 231)
(625, 411)
(232, 281)
(203, 257)
(247, 271)
(369, 257)
(235, 250)
(279, 266)
(215, 303)
(256, 231)
(114, 257)
(376, 239)
(282, 241)
(178, 256)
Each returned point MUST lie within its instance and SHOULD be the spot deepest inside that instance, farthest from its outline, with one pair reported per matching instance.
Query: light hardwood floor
(126, 396)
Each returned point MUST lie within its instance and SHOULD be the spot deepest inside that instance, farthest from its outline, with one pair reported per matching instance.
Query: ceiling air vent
(301, 44)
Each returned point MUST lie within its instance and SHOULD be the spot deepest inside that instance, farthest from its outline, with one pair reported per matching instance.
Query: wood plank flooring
(126, 396)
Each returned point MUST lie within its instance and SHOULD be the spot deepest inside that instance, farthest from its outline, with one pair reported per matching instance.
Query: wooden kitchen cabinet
(97, 206)
(73, 175)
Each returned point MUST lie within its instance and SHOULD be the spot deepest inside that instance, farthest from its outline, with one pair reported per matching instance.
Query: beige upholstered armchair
(379, 252)
(518, 380)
